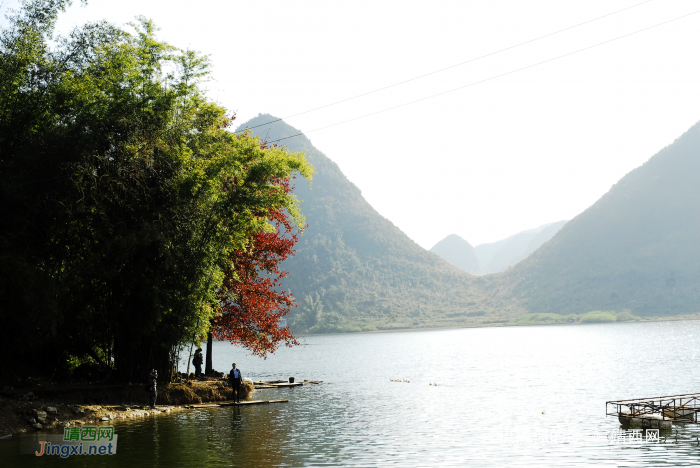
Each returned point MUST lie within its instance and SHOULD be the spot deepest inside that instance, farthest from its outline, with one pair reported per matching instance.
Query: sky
(521, 144)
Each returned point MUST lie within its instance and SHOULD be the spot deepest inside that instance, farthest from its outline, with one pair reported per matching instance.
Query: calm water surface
(493, 385)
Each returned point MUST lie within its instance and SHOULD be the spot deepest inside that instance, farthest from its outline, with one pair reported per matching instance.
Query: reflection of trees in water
(250, 436)
(243, 437)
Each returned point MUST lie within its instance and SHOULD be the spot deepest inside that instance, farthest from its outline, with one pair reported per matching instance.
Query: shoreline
(78, 405)
(675, 318)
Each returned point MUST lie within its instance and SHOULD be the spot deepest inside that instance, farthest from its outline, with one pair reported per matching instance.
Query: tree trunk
(135, 356)
(209, 366)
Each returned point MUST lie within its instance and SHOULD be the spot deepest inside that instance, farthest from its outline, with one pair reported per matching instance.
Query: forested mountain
(500, 255)
(353, 268)
(636, 248)
(460, 253)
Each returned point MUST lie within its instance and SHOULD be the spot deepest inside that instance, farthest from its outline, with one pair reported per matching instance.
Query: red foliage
(253, 305)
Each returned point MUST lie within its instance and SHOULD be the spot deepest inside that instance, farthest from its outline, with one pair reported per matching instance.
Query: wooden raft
(231, 403)
(283, 383)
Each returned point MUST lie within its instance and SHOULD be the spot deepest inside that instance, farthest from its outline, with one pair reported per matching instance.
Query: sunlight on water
(525, 396)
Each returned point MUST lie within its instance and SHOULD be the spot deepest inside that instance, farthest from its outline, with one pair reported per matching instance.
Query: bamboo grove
(132, 219)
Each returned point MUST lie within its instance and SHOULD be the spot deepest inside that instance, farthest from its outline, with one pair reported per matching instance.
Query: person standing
(236, 379)
(198, 360)
(153, 391)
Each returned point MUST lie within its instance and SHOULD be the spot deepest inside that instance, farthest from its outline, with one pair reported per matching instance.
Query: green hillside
(636, 248)
(354, 270)
(634, 252)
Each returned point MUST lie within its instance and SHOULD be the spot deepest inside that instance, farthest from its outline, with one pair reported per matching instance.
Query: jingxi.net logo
(83, 440)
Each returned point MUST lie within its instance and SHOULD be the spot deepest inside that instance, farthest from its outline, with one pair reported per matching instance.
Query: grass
(598, 316)
(541, 319)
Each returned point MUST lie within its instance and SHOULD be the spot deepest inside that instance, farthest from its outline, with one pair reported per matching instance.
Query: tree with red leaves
(252, 303)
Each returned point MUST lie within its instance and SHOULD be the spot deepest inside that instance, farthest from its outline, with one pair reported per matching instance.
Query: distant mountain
(355, 270)
(460, 253)
(636, 248)
(500, 255)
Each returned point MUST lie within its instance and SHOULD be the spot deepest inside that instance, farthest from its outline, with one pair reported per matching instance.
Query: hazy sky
(484, 162)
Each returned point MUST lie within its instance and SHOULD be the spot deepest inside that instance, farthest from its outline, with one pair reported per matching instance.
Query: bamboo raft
(656, 412)
(231, 403)
(259, 385)
(283, 383)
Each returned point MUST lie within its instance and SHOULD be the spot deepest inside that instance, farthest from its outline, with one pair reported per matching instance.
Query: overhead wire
(488, 79)
(456, 65)
(490, 54)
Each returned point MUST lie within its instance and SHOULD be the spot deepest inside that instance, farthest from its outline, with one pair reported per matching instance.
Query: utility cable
(490, 78)
(451, 66)
(410, 79)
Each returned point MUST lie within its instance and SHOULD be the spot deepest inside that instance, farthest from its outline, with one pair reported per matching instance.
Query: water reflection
(492, 383)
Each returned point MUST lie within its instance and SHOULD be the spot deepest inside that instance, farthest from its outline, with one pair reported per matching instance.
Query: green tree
(124, 195)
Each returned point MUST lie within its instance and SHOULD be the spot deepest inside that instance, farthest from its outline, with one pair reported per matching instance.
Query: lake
(510, 396)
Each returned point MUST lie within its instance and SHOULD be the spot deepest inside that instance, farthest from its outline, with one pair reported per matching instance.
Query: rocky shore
(55, 407)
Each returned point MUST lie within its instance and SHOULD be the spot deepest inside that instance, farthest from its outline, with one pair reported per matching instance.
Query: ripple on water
(493, 385)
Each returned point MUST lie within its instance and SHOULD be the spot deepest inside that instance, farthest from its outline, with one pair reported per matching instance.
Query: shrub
(539, 319)
(625, 316)
(598, 316)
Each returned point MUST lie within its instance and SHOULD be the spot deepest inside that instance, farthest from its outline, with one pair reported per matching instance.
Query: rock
(77, 410)
(51, 410)
(37, 426)
(31, 421)
(105, 419)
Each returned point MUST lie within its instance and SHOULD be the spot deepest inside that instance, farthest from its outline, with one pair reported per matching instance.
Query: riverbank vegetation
(589, 317)
(126, 203)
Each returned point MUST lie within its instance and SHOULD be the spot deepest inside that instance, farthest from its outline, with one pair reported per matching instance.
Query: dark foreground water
(493, 385)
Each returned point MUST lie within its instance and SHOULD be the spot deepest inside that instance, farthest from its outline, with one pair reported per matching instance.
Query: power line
(491, 78)
(451, 66)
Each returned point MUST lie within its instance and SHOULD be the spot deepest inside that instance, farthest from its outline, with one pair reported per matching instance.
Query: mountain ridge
(459, 253)
(634, 249)
(354, 269)
(500, 255)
